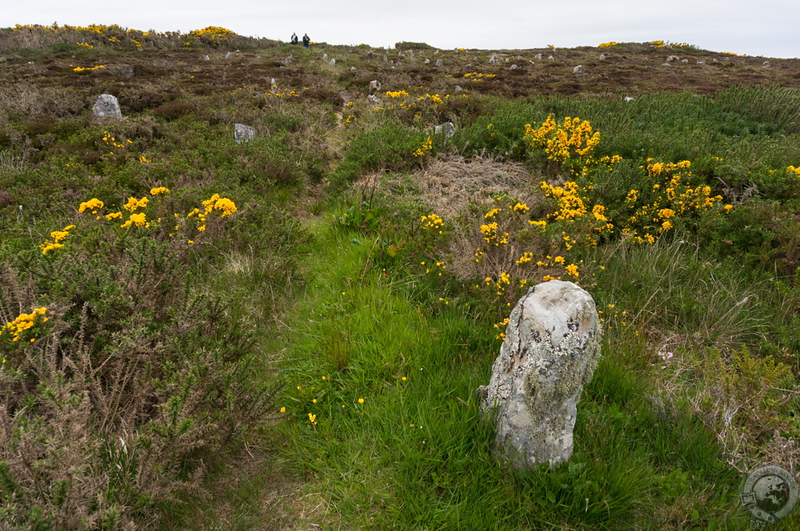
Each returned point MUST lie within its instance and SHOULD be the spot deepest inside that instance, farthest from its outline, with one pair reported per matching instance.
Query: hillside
(288, 332)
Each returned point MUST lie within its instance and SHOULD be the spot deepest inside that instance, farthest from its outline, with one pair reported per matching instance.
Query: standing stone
(106, 108)
(602, 57)
(243, 133)
(550, 352)
(439, 63)
(538, 56)
(578, 69)
(374, 86)
(333, 62)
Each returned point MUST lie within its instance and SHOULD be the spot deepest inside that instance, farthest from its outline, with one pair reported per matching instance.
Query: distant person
(306, 40)
(293, 40)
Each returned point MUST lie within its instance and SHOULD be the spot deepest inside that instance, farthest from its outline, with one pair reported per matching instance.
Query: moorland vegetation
(289, 332)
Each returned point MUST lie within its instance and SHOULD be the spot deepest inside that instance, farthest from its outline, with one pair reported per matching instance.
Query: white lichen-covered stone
(243, 133)
(550, 352)
(106, 108)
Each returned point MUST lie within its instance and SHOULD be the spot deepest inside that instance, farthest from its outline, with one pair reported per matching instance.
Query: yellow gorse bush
(93, 205)
(426, 146)
(134, 204)
(56, 239)
(433, 222)
(82, 69)
(670, 199)
(572, 139)
(214, 33)
(222, 204)
(23, 329)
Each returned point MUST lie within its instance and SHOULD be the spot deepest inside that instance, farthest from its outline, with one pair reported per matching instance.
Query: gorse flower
(573, 139)
(57, 236)
(140, 220)
(222, 204)
(133, 204)
(423, 150)
(22, 327)
(92, 205)
(433, 222)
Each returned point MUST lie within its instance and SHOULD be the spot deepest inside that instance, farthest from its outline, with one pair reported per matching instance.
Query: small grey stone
(578, 69)
(106, 108)
(243, 133)
(447, 128)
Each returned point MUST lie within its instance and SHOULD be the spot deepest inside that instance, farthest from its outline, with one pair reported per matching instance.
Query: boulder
(448, 128)
(551, 349)
(243, 133)
(106, 108)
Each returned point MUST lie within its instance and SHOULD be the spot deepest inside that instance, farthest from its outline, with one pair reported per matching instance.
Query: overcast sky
(768, 28)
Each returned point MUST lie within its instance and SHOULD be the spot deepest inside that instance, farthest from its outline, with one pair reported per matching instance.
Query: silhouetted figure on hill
(293, 40)
(306, 41)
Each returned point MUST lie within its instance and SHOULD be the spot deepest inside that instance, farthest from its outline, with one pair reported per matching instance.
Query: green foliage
(390, 147)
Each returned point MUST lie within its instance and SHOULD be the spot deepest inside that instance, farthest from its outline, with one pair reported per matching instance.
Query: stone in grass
(243, 133)
(106, 108)
(550, 352)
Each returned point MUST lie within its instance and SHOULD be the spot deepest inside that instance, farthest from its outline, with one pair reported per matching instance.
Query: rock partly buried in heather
(550, 352)
(106, 108)
(243, 133)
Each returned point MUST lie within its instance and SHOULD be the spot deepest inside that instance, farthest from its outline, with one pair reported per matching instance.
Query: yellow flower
(360, 400)
(283, 410)
(133, 204)
(92, 205)
(159, 190)
(140, 220)
(572, 270)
